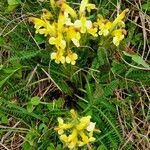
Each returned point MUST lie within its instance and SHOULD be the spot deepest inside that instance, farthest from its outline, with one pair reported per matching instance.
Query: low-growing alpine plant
(77, 132)
(66, 30)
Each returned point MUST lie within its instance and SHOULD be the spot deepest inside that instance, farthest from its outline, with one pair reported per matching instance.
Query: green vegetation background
(111, 86)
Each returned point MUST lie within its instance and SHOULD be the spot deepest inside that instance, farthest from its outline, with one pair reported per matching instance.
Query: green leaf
(51, 147)
(35, 100)
(13, 2)
(109, 89)
(147, 5)
(4, 120)
(138, 59)
(30, 107)
(11, 73)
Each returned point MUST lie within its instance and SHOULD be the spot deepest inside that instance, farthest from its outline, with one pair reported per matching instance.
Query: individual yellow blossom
(83, 24)
(69, 10)
(93, 31)
(90, 6)
(48, 29)
(118, 36)
(84, 122)
(78, 133)
(58, 57)
(58, 41)
(85, 5)
(62, 126)
(119, 19)
(73, 35)
(72, 138)
(38, 23)
(43, 26)
(105, 28)
(71, 57)
(46, 14)
(64, 138)
(74, 114)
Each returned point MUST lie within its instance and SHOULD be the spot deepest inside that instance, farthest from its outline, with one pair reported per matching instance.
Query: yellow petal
(64, 138)
(69, 10)
(73, 114)
(75, 42)
(52, 40)
(53, 56)
(83, 7)
(68, 60)
(91, 126)
(88, 24)
(77, 24)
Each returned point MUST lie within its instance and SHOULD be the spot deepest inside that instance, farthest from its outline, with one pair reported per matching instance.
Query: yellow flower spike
(118, 36)
(80, 129)
(119, 18)
(46, 14)
(71, 57)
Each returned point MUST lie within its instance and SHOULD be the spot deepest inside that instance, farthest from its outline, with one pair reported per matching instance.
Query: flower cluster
(67, 29)
(77, 132)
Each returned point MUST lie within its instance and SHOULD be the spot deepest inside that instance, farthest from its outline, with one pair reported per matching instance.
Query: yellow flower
(104, 26)
(58, 56)
(83, 24)
(71, 57)
(58, 42)
(64, 138)
(119, 19)
(69, 10)
(46, 14)
(72, 139)
(85, 5)
(90, 6)
(93, 31)
(73, 114)
(38, 23)
(62, 126)
(43, 26)
(118, 36)
(73, 35)
(79, 131)
(85, 138)
(84, 122)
